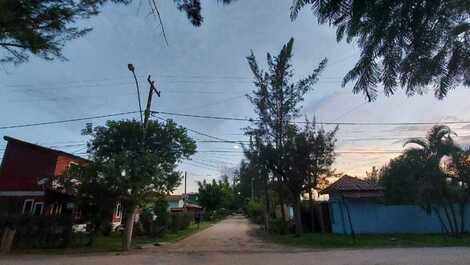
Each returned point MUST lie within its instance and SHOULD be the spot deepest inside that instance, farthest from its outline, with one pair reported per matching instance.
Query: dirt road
(231, 242)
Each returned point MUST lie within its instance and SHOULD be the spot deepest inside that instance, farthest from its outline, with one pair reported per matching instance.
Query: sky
(203, 71)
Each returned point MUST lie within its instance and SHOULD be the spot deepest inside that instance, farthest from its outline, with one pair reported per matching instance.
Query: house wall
(23, 166)
(368, 216)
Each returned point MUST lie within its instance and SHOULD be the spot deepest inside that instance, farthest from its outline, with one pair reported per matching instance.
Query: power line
(66, 121)
(320, 123)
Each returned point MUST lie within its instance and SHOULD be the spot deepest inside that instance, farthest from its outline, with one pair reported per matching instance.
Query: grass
(112, 243)
(323, 240)
(192, 229)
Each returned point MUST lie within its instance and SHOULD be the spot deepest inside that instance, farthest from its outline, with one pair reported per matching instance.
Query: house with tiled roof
(352, 187)
(26, 185)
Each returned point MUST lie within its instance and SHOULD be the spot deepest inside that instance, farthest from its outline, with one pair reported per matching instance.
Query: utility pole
(152, 89)
(252, 188)
(185, 182)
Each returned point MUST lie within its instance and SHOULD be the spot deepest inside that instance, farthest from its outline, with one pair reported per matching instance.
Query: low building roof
(348, 184)
(47, 149)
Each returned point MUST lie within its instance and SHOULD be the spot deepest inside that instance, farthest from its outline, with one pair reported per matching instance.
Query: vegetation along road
(232, 242)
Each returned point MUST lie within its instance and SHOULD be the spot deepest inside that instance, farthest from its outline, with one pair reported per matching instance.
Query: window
(118, 210)
(28, 206)
(37, 210)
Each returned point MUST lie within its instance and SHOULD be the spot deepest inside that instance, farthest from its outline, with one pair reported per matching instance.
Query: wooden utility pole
(133, 210)
(152, 89)
(185, 182)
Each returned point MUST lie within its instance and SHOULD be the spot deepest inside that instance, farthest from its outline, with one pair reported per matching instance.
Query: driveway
(231, 242)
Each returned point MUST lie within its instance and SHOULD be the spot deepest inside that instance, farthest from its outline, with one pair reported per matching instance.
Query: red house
(24, 180)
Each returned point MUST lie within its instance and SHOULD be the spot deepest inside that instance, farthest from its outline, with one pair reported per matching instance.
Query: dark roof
(351, 184)
(58, 152)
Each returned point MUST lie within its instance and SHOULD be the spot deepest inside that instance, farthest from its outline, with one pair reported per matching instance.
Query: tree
(94, 195)
(458, 171)
(215, 195)
(43, 27)
(138, 168)
(399, 179)
(373, 175)
(412, 44)
(277, 101)
(435, 191)
(309, 154)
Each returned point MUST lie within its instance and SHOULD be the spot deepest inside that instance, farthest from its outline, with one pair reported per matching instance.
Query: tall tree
(277, 101)
(215, 195)
(434, 189)
(138, 168)
(43, 27)
(407, 43)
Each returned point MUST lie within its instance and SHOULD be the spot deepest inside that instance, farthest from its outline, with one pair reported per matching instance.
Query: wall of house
(368, 216)
(23, 166)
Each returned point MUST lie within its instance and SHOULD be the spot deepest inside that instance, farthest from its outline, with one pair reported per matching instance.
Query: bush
(39, 231)
(255, 211)
(106, 229)
(180, 221)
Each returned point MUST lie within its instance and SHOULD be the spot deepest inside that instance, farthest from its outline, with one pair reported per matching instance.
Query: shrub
(180, 221)
(39, 231)
(106, 229)
(255, 211)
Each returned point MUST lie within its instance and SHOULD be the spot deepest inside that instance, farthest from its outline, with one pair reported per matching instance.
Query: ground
(231, 242)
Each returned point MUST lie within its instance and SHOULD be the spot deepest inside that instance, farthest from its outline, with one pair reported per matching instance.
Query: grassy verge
(368, 241)
(192, 229)
(112, 243)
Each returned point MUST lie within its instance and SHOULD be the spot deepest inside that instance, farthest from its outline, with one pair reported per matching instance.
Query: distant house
(180, 203)
(356, 205)
(25, 181)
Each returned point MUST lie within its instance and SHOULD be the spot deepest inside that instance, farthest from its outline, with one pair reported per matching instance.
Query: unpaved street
(231, 243)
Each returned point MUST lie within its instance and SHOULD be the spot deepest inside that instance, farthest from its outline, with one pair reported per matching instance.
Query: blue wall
(368, 216)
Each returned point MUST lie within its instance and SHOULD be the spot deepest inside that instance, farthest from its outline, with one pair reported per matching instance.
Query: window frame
(33, 212)
(24, 206)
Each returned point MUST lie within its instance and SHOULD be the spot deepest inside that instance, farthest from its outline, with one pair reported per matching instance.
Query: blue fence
(373, 217)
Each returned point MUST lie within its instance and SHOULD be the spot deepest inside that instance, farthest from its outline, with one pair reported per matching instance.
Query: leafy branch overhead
(413, 44)
(43, 27)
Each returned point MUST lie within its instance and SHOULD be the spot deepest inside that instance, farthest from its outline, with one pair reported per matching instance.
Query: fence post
(7, 240)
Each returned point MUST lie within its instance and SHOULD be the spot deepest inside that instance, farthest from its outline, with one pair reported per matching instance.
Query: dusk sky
(203, 71)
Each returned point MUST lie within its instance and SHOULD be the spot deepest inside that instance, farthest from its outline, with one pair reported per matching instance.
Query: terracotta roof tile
(351, 184)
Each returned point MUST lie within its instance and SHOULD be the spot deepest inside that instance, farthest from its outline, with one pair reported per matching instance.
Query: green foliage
(43, 27)
(38, 231)
(434, 174)
(215, 195)
(399, 179)
(139, 170)
(180, 221)
(294, 157)
(255, 211)
(412, 44)
(92, 194)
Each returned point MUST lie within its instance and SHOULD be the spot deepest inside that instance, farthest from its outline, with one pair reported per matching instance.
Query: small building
(349, 197)
(25, 181)
(179, 203)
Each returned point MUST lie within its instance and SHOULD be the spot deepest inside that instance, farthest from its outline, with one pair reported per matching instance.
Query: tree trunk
(449, 220)
(298, 216)
(127, 236)
(283, 213)
(312, 214)
(462, 217)
(268, 207)
(443, 225)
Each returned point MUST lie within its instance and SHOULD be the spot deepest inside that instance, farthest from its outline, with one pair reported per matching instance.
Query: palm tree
(434, 189)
